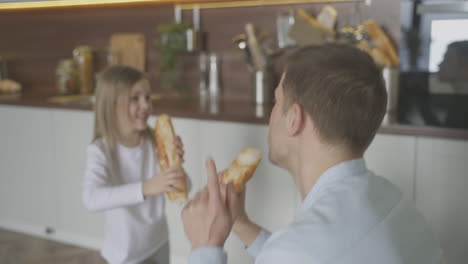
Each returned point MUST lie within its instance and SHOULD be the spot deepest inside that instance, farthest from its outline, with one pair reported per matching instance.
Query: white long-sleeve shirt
(135, 227)
(350, 216)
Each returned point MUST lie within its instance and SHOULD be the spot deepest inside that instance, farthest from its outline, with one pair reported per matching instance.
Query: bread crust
(383, 51)
(240, 172)
(164, 136)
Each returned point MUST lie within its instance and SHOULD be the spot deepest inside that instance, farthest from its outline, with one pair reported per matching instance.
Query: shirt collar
(331, 176)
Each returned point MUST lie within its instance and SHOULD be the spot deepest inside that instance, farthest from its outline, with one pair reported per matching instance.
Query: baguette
(165, 137)
(386, 50)
(242, 168)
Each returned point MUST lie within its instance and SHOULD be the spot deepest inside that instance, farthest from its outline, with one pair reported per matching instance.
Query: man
(454, 70)
(329, 104)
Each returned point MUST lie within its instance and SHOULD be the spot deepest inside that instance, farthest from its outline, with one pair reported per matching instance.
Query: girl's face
(133, 111)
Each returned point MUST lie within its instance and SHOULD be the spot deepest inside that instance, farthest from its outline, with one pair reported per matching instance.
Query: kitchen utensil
(259, 59)
(193, 33)
(129, 49)
(308, 31)
(241, 44)
(284, 21)
(214, 86)
(263, 87)
(203, 82)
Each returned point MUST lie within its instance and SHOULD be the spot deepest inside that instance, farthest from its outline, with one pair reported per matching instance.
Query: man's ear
(295, 119)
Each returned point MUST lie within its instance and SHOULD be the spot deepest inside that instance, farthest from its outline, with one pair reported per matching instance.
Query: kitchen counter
(230, 111)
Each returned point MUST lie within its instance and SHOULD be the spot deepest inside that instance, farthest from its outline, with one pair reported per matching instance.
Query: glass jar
(3, 68)
(83, 56)
(67, 77)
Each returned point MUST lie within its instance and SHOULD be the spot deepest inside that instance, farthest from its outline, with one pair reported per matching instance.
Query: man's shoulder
(346, 220)
(285, 246)
(342, 216)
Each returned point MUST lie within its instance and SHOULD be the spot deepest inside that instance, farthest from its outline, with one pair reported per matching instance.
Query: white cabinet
(28, 200)
(393, 157)
(42, 159)
(441, 193)
(72, 133)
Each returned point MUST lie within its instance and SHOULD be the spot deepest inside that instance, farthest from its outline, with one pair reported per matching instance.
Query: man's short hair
(342, 90)
(462, 49)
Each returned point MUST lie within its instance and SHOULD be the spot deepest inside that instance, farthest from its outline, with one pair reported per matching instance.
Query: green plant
(171, 42)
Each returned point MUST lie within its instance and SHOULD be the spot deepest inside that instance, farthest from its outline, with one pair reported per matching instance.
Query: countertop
(229, 111)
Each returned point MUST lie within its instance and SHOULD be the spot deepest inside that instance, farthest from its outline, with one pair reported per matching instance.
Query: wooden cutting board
(128, 49)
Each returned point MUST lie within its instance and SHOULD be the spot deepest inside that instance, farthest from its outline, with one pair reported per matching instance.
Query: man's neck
(311, 165)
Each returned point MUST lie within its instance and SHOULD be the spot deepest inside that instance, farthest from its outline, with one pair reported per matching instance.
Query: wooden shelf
(183, 4)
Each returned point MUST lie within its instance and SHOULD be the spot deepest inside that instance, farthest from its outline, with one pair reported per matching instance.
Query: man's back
(353, 216)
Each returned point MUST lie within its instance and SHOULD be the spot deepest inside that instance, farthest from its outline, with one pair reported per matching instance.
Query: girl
(122, 176)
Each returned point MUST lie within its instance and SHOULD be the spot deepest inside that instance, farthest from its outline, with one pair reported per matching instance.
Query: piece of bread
(382, 43)
(242, 168)
(9, 86)
(327, 17)
(165, 137)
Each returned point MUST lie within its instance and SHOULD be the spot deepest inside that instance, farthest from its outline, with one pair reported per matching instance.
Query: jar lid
(66, 65)
(82, 49)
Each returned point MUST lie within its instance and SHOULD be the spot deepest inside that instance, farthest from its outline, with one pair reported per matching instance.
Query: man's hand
(207, 220)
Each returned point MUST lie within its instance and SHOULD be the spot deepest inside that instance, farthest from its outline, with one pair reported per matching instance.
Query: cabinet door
(73, 131)
(393, 157)
(27, 185)
(271, 195)
(441, 193)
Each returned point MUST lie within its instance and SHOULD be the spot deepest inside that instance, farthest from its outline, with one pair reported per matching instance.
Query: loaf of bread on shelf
(242, 168)
(9, 86)
(167, 156)
(382, 49)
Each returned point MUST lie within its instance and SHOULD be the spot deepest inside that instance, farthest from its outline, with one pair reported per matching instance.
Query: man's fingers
(213, 183)
(221, 175)
(232, 199)
(173, 169)
(204, 195)
(178, 174)
(172, 188)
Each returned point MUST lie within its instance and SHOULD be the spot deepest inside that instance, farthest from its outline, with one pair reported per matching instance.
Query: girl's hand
(164, 182)
(179, 148)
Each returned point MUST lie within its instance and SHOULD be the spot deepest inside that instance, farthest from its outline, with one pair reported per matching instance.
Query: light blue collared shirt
(350, 216)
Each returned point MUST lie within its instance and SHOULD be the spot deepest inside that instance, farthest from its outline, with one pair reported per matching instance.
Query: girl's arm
(98, 192)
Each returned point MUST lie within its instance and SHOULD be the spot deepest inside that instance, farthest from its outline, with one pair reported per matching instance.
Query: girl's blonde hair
(111, 83)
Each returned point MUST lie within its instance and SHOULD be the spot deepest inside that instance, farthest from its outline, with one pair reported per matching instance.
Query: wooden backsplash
(33, 41)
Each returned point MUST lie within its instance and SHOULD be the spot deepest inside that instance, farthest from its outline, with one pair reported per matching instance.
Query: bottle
(214, 86)
(83, 56)
(203, 81)
(67, 77)
(3, 69)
